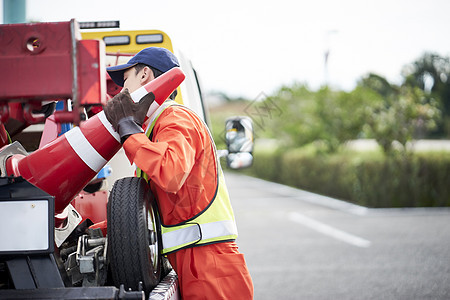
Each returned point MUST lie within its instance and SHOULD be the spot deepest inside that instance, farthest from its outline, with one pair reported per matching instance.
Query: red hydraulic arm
(45, 63)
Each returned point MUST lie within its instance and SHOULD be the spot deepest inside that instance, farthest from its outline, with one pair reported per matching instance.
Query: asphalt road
(300, 245)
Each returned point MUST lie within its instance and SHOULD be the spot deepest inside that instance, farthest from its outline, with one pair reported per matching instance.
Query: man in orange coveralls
(179, 160)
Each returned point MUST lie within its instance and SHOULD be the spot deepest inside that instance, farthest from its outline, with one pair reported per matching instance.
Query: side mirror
(239, 139)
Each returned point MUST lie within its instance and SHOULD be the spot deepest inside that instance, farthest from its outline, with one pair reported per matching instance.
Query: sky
(245, 48)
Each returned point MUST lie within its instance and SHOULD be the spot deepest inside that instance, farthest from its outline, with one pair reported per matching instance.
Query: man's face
(133, 81)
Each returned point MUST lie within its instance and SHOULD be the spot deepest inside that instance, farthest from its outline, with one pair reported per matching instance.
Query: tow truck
(75, 223)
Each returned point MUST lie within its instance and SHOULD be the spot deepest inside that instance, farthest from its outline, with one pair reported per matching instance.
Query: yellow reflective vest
(215, 224)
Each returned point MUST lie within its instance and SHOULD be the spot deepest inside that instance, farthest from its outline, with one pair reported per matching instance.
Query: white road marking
(328, 230)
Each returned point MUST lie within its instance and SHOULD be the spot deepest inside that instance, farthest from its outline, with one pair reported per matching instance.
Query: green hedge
(366, 178)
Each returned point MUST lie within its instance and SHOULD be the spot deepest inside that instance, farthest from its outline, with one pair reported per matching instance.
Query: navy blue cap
(155, 57)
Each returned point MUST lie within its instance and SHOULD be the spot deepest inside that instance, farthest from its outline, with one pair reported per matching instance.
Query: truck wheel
(133, 235)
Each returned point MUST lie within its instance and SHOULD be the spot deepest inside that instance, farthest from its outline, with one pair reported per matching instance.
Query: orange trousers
(214, 272)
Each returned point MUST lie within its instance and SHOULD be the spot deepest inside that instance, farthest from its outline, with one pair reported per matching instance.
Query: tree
(378, 84)
(400, 117)
(431, 73)
(326, 116)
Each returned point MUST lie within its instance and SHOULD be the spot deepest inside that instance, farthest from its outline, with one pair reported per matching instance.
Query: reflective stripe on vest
(214, 224)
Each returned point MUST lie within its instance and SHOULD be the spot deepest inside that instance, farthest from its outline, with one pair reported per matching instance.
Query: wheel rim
(152, 238)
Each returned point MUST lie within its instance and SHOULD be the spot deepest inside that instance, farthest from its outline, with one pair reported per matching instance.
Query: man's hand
(125, 116)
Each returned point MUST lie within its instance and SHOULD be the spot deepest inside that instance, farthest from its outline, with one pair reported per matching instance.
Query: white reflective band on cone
(84, 149)
(102, 117)
(138, 94)
(192, 234)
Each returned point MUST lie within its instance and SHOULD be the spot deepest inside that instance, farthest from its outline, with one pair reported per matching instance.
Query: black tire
(133, 235)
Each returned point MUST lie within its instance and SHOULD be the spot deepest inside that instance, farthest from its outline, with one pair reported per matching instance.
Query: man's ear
(146, 75)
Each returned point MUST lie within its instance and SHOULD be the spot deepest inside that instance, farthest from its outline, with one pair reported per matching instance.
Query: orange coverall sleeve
(169, 160)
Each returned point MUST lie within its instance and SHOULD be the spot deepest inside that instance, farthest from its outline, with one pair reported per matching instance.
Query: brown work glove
(125, 116)
(122, 106)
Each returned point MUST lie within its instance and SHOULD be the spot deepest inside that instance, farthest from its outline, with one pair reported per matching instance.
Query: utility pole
(327, 54)
(14, 11)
